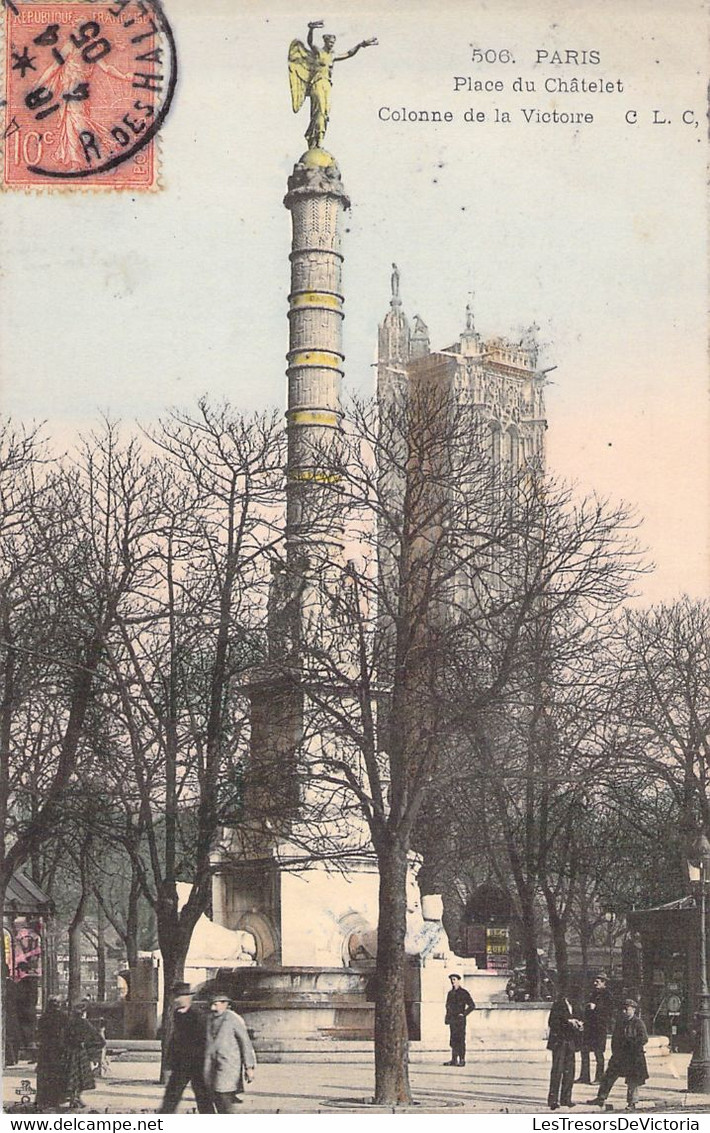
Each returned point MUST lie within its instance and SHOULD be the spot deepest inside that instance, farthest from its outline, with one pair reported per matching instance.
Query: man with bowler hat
(565, 1035)
(459, 1006)
(186, 1053)
(229, 1055)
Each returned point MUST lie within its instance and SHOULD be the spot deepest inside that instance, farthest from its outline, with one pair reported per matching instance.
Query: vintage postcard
(354, 557)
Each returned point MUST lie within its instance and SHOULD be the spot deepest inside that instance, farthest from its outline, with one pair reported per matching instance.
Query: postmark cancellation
(87, 86)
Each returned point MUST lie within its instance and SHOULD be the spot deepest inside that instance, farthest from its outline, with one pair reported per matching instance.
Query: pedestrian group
(568, 1033)
(214, 1054)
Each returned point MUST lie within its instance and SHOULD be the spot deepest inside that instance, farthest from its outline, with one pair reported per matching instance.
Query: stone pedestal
(301, 916)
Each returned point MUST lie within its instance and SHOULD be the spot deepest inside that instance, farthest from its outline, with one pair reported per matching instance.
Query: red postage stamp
(87, 87)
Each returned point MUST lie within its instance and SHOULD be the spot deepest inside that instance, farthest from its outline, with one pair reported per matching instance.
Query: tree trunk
(132, 920)
(100, 954)
(584, 949)
(559, 937)
(585, 931)
(391, 1037)
(75, 927)
(49, 959)
(74, 988)
(6, 709)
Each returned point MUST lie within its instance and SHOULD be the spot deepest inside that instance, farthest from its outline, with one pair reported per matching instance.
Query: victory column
(310, 921)
(299, 606)
(316, 199)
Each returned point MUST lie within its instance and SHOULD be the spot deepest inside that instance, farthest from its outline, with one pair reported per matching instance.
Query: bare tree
(173, 705)
(630, 855)
(663, 708)
(75, 545)
(429, 629)
(535, 744)
(84, 867)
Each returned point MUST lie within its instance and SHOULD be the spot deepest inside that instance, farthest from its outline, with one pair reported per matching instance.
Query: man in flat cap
(186, 1053)
(459, 1006)
(229, 1055)
(597, 1024)
(627, 1056)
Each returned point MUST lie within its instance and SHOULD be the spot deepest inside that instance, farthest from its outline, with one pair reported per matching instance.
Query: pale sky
(129, 304)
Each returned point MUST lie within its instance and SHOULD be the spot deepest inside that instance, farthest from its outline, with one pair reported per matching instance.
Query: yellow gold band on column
(316, 299)
(309, 475)
(313, 417)
(315, 358)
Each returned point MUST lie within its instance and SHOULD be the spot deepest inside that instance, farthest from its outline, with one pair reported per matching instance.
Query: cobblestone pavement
(510, 1085)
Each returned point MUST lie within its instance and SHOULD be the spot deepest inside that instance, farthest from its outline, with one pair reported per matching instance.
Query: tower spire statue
(310, 72)
(470, 326)
(395, 301)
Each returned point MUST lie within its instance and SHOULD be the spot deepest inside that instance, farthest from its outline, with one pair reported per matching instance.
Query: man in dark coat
(627, 1056)
(186, 1053)
(565, 1034)
(597, 1024)
(51, 1070)
(459, 1006)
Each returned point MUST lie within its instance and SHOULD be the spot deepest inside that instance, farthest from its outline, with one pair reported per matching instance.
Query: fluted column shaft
(316, 201)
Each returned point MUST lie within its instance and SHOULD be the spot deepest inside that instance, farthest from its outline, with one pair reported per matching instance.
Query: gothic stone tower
(500, 382)
(499, 378)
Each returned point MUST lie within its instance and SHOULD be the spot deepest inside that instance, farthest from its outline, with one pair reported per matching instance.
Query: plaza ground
(505, 1084)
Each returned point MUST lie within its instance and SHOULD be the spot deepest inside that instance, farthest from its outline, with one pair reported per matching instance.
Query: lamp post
(609, 918)
(699, 1068)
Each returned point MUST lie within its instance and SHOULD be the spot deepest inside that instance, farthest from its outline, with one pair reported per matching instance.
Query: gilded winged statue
(310, 72)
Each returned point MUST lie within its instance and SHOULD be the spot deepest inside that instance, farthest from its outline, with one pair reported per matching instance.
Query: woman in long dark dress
(83, 1045)
(50, 1056)
(11, 1029)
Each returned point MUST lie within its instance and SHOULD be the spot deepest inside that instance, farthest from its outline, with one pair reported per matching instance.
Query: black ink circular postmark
(89, 84)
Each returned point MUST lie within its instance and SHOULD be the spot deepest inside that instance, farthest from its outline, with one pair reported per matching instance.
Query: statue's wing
(300, 63)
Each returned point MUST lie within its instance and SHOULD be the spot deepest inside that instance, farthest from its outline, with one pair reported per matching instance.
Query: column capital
(315, 181)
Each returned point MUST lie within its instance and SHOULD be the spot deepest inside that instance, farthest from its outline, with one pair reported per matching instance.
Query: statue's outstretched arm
(355, 49)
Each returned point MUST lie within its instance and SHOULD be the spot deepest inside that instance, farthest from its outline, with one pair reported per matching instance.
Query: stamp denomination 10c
(87, 87)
